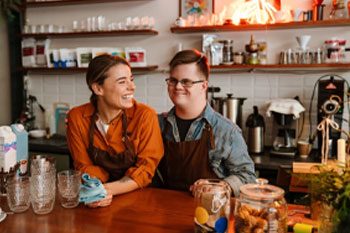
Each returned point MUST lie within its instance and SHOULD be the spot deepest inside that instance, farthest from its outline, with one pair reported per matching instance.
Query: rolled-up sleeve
(149, 149)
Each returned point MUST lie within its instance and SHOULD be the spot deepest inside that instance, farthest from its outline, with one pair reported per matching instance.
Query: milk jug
(7, 148)
(22, 147)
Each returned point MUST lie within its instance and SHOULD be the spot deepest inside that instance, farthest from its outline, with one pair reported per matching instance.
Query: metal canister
(227, 51)
(234, 109)
(256, 129)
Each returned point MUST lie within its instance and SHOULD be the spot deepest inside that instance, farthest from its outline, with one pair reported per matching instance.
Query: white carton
(7, 148)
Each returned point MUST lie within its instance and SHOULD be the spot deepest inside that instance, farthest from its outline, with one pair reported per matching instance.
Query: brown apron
(115, 164)
(186, 162)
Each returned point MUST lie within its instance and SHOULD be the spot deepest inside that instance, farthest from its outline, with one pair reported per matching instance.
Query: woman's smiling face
(117, 90)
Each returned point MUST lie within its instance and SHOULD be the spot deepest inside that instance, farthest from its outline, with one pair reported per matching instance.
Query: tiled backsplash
(151, 89)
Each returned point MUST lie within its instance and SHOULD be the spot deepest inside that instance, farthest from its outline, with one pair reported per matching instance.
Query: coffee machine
(284, 142)
(284, 112)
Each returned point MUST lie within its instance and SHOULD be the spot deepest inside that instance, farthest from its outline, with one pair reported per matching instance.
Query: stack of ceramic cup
(42, 184)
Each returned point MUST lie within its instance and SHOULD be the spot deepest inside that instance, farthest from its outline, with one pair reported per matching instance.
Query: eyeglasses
(184, 82)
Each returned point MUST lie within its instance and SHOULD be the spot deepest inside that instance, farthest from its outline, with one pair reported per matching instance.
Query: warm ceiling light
(253, 11)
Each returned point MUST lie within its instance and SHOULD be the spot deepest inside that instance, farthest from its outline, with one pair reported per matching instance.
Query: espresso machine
(284, 142)
(285, 112)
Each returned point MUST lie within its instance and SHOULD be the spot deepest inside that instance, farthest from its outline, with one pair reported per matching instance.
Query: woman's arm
(77, 139)
(149, 150)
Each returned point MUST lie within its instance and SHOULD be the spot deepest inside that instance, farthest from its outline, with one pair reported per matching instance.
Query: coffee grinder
(284, 112)
(330, 104)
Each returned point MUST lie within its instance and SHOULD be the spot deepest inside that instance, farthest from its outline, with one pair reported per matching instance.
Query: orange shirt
(144, 133)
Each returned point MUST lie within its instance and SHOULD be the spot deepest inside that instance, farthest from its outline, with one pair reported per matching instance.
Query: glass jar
(260, 208)
(238, 58)
(212, 199)
(252, 59)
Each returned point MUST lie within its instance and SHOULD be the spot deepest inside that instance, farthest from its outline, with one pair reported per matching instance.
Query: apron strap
(125, 138)
(91, 130)
(209, 130)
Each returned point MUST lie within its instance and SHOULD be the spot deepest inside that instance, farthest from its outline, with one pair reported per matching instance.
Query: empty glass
(42, 184)
(18, 194)
(68, 183)
(41, 164)
(43, 193)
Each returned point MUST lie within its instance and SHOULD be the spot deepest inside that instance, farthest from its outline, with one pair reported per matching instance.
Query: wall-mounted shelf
(276, 67)
(136, 32)
(71, 2)
(45, 70)
(251, 27)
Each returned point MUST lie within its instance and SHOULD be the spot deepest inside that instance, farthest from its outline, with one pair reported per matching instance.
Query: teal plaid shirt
(230, 159)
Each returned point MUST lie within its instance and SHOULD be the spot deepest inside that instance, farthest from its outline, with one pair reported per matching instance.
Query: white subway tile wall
(151, 89)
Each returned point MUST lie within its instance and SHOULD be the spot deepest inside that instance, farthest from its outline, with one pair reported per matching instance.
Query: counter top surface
(146, 210)
(58, 144)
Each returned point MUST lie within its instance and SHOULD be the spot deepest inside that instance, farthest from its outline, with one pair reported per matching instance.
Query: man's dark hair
(191, 56)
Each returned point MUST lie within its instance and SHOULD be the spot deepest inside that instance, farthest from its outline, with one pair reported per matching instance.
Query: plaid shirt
(230, 159)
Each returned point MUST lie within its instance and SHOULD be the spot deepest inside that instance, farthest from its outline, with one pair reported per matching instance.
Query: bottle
(256, 129)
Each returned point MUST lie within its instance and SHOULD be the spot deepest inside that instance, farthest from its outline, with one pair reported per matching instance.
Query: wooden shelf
(278, 67)
(45, 70)
(251, 27)
(136, 32)
(71, 2)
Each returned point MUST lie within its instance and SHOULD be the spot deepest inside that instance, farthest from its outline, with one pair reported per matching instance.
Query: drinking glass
(68, 183)
(43, 192)
(42, 183)
(18, 195)
(41, 164)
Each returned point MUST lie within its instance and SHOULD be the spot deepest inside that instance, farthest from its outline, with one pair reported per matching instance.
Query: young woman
(113, 137)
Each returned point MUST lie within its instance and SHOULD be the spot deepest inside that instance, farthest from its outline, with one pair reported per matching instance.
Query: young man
(199, 143)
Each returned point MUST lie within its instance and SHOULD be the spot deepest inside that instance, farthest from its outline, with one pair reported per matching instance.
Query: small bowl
(38, 133)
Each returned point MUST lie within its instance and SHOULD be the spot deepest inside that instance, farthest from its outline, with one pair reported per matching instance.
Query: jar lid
(261, 191)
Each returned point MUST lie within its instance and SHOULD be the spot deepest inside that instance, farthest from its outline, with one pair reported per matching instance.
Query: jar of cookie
(260, 208)
(212, 199)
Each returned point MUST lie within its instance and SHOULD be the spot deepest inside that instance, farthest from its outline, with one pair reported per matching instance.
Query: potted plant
(331, 189)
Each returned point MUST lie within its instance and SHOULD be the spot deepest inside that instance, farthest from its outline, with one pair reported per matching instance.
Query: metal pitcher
(234, 109)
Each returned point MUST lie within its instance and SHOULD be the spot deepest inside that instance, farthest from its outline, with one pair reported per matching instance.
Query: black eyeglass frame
(182, 81)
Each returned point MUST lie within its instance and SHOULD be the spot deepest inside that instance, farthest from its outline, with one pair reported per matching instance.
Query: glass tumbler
(18, 194)
(68, 183)
(212, 206)
(43, 192)
(41, 164)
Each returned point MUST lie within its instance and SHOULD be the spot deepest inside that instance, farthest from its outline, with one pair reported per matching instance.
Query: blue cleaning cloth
(91, 189)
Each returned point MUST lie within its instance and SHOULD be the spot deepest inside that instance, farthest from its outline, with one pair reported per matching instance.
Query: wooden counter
(149, 210)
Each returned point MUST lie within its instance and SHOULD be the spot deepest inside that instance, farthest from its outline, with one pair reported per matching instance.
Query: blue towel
(91, 189)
